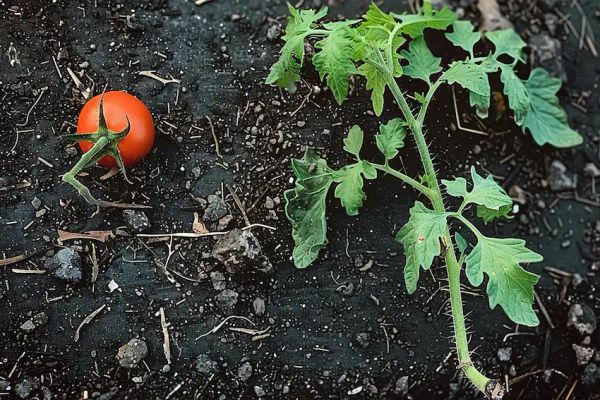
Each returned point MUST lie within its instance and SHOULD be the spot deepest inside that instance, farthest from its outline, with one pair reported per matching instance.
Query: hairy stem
(407, 179)
(452, 266)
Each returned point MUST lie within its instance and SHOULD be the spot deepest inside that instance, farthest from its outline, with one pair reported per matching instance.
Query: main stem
(452, 266)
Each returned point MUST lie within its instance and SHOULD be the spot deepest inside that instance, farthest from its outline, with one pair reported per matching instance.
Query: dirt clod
(65, 265)
(582, 318)
(244, 372)
(240, 252)
(136, 220)
(131, 353)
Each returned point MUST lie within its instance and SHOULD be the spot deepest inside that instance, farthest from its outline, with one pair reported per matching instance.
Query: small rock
(547, 53)
(274, 32)
(582, 318)
(46, 393)
(65, 265)
(136, 220)
(112, 286)
(36, 203)
(4, 385)
(224, 222)
(218, 280)
(591, 374)
(245, 371)
(559, 179)
(504, 354)
(240, 252)
(402, 386)
(583, 354)
(363, 339)
(216, 209)
(205, 365)
(27, 386)
(591, 170)
(227, 299)
(131, 353)
(37, 320)
(259, 306)
(259, 391)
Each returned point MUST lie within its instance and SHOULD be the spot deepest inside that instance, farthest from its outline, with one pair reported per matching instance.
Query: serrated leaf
(485, 192)
(376, 84)
(515, 90)
(300, 24)
(421, 240)
(375, 17)
(286, 71)
(350, 185)
(463, 35)
(421, 62)
(489, 214)
(334, 61)
(305, 207)
(507, 41)
(508, 283)
(414, 24)
(391, 137)
(354, 140)
(469, 75)
(546, 119)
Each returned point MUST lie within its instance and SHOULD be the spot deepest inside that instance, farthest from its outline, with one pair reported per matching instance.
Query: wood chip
(151, 74)
(165, 330)
(101, 236)
(198, 226)
(87, 320)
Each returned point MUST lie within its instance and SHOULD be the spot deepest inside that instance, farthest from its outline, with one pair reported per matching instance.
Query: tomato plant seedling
(114, 129)
(382, 47)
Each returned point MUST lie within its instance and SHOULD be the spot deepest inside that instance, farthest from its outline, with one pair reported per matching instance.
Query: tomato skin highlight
(118, 106)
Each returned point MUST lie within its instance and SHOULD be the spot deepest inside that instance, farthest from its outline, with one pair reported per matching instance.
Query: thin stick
(214, 135)
(239, 205)
(87, 320)
(219, 326)
(462, 128)
(42, 91)
(165, 330)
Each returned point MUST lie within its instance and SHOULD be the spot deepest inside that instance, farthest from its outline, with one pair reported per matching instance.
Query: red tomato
(117, 105)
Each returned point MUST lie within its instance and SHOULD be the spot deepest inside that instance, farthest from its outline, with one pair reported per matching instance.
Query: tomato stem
(105, 143)
(86, 159)
(492, 388)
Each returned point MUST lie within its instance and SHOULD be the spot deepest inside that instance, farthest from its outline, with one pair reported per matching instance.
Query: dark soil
(338, 329)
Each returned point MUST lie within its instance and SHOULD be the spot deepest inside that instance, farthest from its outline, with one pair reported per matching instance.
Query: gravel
(65, 265)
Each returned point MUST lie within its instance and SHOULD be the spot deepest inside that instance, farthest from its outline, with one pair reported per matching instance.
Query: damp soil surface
(343, 328)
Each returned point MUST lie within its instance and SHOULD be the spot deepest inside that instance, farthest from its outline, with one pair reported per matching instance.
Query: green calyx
(105, 143)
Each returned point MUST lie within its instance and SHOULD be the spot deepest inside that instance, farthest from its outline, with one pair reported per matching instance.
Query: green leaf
(469, 75)
(354, 141)
(461, 242)
(305, 207)
(335, 58)
(374, 17)
(376, 84)
(350, 185)
(486, 192)
(391, 137)
(507, 41)
(414, 24)
(421, 240)
(546, 120)
(481, 104)
(286, 71)
(515, 90)
(508, 283)
(300, 24)
(421, 62)
(489, 214)
(463, 35)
